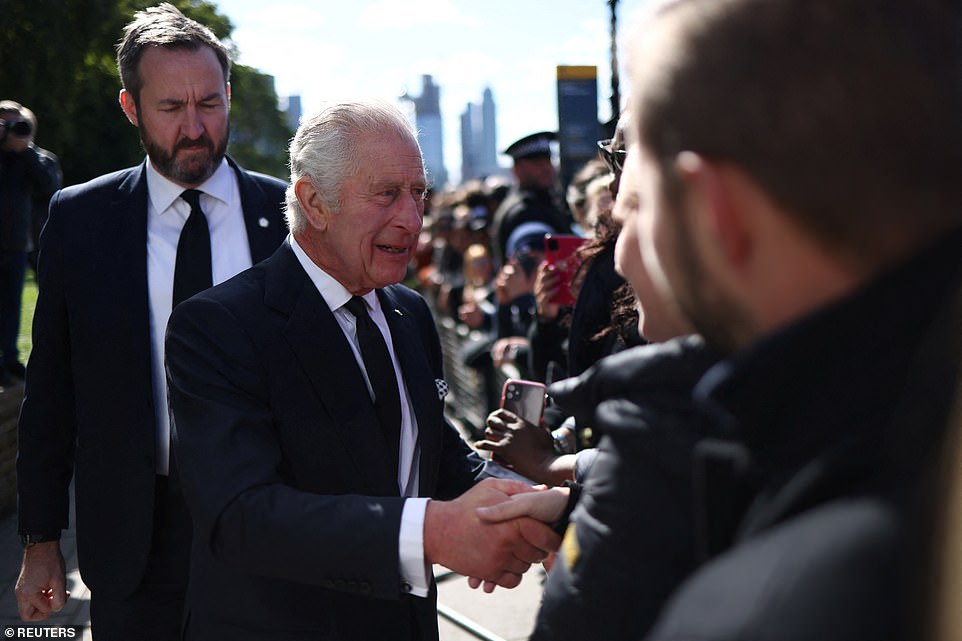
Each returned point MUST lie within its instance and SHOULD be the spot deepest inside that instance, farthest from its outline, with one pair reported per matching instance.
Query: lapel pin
(398, 312)
(263, 222)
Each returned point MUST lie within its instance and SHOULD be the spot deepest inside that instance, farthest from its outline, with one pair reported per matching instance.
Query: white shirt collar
(333, 292)
(163, 192)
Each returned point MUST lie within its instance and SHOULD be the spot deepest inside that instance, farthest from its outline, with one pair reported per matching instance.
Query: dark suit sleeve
(47, 426)
(244, 502)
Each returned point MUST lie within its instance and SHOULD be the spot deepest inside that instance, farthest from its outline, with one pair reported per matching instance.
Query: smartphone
(524, 398)
(562, 251)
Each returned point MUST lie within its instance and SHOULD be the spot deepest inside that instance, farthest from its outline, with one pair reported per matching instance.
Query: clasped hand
(495, 548)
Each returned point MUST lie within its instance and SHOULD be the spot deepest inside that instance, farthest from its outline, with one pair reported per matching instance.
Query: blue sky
(338, 49)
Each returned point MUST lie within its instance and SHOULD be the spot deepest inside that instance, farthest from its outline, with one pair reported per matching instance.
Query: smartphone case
(561, 251)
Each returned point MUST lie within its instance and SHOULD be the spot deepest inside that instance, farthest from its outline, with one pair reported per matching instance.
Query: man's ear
(129, 107)
(718, 192)
(315, 211)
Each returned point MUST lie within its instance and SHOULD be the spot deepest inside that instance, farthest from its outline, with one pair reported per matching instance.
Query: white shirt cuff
(415, 575)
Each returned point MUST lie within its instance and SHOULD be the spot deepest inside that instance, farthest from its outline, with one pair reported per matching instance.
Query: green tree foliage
(259, 131)
(58, 57)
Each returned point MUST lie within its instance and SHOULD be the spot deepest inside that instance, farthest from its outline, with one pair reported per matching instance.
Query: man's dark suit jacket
(88, 397)
(288, 478)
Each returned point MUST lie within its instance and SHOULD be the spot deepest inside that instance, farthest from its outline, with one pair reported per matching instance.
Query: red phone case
(524, 398)
(561, 251)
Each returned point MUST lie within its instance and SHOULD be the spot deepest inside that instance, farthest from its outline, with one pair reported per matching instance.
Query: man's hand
(512, 282)
(471, 315)
(495, 552)
(547, 281)
(41, 588)
(527, 449)
(546, 506)
(505, 350)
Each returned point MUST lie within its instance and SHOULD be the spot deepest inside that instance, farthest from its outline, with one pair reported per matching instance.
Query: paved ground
(505, 615)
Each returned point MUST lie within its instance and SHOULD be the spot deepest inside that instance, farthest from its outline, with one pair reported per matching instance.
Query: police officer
(534, 197)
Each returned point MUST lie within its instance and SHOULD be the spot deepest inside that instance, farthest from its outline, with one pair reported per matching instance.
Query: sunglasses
(614, 158)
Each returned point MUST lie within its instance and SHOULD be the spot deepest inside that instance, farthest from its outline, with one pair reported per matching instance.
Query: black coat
(842, 416)
(631, 538)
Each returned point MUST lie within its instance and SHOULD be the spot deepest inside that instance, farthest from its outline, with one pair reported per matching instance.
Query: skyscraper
(470, 143)
(427, 119)
(479, 154)
(293, 111)
(489, 134)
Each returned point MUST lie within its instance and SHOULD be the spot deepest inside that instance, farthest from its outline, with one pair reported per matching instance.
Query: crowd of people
(745, 312)
(528, 275)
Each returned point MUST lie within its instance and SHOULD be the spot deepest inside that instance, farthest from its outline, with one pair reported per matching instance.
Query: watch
(30, 540)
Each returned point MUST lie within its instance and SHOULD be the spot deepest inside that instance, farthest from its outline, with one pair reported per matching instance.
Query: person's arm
(527, 449)
(547, 506)
(548, 333)
(46, 436)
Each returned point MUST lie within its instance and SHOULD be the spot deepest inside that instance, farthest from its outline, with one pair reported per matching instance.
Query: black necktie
(192, 271)
(380, 370)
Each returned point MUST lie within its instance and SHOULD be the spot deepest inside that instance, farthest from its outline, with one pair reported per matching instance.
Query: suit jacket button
(406, 587)
(365, 588)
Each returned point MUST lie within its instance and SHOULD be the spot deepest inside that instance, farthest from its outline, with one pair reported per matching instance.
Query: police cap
(538, 144)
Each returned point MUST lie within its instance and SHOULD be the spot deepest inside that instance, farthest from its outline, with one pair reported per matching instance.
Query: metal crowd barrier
(473, 392)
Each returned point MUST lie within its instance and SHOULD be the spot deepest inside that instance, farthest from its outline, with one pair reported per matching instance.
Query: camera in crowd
(20, 128)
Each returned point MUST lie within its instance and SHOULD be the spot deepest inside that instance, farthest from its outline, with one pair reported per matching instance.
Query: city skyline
(383, 48)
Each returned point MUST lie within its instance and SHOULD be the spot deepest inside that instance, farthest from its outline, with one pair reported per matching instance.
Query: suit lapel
(419, 380)
(262, 234)
(326, 359)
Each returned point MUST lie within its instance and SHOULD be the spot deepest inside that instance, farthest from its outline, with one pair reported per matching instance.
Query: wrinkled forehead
(389, 156)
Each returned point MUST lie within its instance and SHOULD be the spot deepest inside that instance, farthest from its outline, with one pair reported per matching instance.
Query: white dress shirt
(230, 254)
(414, 571)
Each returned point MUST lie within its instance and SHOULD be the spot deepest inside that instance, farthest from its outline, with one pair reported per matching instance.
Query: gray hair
(325, 150)
(163, 26)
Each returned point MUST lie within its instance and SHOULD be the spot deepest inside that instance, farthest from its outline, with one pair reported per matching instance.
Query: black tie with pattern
(192, 270)
(380, 371)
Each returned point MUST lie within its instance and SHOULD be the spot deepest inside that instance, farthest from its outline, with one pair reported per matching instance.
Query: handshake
(494, 532)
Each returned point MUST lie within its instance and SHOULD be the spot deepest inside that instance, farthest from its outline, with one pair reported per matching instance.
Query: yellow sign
(570, 72)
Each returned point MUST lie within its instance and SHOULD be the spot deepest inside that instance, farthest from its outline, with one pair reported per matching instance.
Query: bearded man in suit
(117, 253)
